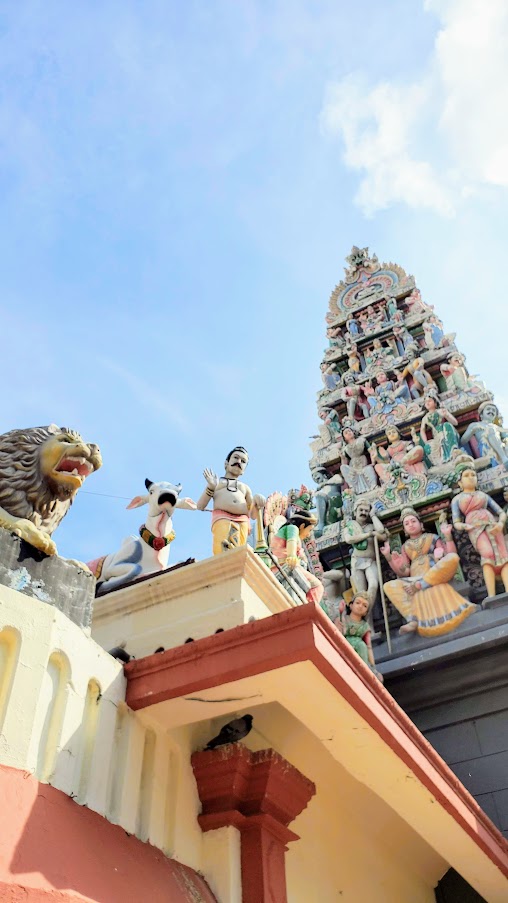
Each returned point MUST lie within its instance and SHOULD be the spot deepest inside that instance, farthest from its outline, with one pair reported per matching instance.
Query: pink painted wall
(55, 851)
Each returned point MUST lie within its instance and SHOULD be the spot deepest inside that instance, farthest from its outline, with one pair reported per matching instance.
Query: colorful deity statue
(362, 532)
(488, 435)
(438, 435)
(329, 375)
(414, 303)
(353, 395)
(391, 308)
(358, 473)
(328, 498)
(378, 356)
(352, 326)
(356, 630)
(420, 380)
(477, 514)
(335, 336)
(286, 544)
(434, 332)
(354, 359)
(404, 339)
(385, 397)
(399, 451)
(424, 568)
(455, 373)
(233, 502)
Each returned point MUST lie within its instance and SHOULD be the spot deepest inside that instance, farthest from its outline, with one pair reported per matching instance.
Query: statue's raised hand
(385, 549)
(259, 501)
(212, 480)
(446, 530)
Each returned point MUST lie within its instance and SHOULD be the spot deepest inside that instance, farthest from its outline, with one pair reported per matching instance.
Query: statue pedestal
(47, 578)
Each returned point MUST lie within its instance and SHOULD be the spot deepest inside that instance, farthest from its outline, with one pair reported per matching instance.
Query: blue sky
(180, 185)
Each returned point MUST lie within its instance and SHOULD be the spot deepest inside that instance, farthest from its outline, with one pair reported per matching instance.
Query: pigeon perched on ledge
(232, 732)
(120, 653)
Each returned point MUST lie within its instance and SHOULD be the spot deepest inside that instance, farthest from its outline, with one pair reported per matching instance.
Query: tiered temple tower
(404, 426)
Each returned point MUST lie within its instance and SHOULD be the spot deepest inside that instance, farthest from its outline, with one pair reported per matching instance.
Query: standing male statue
(360, 533)
(233, 502)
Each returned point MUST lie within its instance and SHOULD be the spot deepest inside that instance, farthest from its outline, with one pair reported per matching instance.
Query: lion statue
(41, 470)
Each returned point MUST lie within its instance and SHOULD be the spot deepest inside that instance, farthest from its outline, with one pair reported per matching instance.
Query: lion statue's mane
(24, 491)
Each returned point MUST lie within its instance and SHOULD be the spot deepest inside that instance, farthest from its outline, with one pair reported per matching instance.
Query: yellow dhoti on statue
(229, 533)
(438, 608)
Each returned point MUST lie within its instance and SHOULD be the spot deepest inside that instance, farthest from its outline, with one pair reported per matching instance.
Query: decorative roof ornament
(359, 262)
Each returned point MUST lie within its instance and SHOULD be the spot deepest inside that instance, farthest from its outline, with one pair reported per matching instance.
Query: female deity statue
(475, 513)
(488, 435)
(424, 568)
(335, 336)
(355, 629)
(403, 452)
(438, 436)
(455, 373)
(359, 474)
(434, 332)
(378, 356)
(353, 396)
(391, 308)
(286, 545)
(352, 326)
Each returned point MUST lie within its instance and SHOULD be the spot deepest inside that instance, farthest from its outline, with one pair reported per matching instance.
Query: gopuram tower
(411, 464)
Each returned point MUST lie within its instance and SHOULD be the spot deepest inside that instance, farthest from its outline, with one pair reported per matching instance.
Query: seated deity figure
(455, 373)
(414, 303)
(386, 395)
(415, 370)
(378, 356)
(424, 567)
(438, 436)
(488, 435)
(475, 513)
(331, 420)
(400, 451)
(358, 473)
(434, 332)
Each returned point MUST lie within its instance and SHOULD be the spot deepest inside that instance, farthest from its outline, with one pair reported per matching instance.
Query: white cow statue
(147, 553)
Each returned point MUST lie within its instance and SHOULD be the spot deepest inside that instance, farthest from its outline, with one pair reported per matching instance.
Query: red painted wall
(55, 851)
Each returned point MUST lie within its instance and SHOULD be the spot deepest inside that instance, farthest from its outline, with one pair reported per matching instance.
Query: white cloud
(442, 138)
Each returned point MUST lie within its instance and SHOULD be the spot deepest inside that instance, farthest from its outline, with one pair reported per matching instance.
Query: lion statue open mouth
(41, 469)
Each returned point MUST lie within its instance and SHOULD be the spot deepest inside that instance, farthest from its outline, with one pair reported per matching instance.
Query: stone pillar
(259, 793)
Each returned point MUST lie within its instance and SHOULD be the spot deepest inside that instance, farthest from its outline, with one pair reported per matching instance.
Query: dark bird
(233, 732)
(120, 654)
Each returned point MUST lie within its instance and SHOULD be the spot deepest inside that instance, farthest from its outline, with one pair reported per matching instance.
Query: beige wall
(63, 718)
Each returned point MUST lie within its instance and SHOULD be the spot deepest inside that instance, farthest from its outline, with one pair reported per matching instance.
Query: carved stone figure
(438, 435)
(354, 360)
(455, 373)
(356, 630)
(385, 397)
(359, 533)
(41, 470)
(328, 498)
(359, 261)
(400, 451)
(475, 513)
(147, 553)
(352, 326)
(233, 502)
(421, 381)
(329, 375)
(424, 567)
(378, 356)
(353, 396)
(434, 332)
(488, 435)
(286, 544)
(404, 339)
(359, 474)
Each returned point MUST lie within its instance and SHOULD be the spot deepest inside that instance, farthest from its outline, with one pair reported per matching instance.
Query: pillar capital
(260, 793)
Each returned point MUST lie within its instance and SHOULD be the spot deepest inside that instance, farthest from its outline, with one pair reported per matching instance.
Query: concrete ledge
(47, 578)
